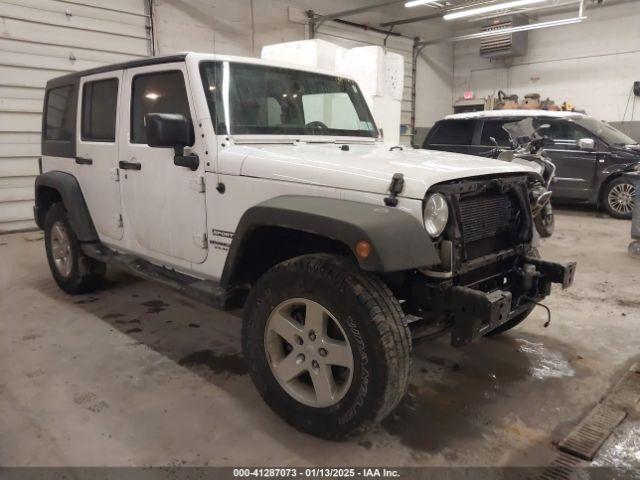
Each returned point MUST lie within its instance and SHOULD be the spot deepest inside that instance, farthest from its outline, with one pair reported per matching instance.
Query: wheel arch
(289, 226)
(55, 186)
(605, 183)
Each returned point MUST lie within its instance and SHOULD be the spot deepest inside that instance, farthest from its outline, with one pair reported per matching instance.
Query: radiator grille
(487, 216)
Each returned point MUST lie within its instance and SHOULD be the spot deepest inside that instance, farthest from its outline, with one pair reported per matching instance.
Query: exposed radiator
(487, 216)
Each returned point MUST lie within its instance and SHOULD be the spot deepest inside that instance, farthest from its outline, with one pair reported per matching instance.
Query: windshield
(606, 132)
(256, 99)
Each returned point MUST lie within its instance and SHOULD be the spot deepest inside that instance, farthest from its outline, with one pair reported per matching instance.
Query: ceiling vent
(507, 45)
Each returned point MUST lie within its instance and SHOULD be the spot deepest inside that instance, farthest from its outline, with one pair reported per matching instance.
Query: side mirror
(587, 144)
(172, 130)
(168, 130)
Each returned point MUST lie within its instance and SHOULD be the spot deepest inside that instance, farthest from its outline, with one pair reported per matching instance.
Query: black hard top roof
(73, 78)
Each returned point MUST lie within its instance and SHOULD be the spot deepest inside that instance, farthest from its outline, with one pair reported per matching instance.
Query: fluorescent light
(415, 3)
(521, 28)
(489, 8)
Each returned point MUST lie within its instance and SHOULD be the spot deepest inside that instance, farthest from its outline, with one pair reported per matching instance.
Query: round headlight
(436, 214)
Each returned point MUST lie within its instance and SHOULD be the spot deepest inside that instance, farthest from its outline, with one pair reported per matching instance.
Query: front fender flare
(399, 240)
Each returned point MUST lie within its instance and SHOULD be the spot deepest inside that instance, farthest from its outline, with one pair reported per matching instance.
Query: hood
(367, 168)
(629, 153)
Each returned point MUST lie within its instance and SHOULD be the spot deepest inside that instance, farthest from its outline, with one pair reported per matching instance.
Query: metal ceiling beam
(315, 21)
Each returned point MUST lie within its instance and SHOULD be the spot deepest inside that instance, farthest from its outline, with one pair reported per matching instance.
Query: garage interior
(136, 375)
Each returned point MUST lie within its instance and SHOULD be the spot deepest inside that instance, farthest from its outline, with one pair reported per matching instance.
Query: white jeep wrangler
(246, 183)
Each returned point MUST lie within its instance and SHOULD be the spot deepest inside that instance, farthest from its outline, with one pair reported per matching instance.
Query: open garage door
(351, 37)
(39, 40)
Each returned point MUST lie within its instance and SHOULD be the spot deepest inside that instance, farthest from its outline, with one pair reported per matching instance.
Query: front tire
(327, 345)
(618, 198)
(72, 270)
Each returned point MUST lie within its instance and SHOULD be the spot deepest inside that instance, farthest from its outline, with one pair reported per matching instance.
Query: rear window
(59, 114)
(99, 102)
(454, 132)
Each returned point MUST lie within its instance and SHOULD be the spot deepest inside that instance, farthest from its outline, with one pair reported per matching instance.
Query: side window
(158, 92)
(99, 103)
(59, 114)
(493, 128)
(454, 132)
(565, 135)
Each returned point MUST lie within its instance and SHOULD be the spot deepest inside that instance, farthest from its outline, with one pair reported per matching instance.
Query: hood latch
(396, 187)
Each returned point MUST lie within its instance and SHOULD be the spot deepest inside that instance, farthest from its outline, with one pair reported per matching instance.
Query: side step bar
(204, 291)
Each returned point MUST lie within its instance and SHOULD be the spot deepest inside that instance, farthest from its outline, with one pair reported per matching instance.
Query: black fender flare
(400, 242)
(70, 192)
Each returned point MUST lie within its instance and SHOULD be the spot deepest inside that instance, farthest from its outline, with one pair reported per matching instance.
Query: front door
(97, 151)
(575, 168)
(164, 204)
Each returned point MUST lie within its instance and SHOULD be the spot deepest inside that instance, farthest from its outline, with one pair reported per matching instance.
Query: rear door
(97, 151)
(575, 168)
(164, 204)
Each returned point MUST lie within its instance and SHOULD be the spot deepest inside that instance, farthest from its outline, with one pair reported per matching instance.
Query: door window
(99, 103)
(159, 92)
(454, 132)
(565, 135)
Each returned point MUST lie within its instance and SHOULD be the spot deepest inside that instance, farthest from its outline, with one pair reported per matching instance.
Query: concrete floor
(137, 375)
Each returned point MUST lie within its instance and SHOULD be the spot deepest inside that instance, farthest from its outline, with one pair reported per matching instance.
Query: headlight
(436, 214)
(636, 167)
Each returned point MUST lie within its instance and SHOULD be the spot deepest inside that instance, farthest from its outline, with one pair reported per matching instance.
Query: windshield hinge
(201, 240)
(396, 187)
(198, 184)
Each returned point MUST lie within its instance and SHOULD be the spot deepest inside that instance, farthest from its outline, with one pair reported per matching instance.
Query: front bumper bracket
(476, 312)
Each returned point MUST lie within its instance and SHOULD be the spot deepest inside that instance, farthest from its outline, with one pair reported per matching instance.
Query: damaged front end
(489, 272)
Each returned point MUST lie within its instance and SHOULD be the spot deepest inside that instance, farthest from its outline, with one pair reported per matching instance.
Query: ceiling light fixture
(521, 28)
(489, 8)
(415, 3)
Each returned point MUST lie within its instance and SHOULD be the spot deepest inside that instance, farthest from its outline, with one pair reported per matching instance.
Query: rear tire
(618, 198)
(72, 270)
(367, 322)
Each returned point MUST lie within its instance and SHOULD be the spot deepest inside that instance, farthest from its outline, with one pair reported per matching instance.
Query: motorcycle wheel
(545, 222)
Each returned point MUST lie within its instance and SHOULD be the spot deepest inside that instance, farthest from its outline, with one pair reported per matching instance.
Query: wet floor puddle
(453, 393)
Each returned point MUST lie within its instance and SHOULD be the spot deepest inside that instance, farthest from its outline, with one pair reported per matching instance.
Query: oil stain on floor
(232, 364)
(155, 306)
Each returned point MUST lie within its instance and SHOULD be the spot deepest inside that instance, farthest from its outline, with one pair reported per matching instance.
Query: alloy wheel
(309, 353)
(61, 249)
(621, 198)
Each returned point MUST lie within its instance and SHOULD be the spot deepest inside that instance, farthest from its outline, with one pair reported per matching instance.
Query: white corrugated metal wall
(350, 37)
(39, 40)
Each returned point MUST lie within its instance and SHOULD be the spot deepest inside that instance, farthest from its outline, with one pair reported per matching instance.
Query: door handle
(124, 165)
(84, 161)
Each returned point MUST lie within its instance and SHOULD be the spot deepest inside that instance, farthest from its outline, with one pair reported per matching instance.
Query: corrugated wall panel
(39, 40)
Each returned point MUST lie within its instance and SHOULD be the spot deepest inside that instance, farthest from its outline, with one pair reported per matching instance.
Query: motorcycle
(527, 148)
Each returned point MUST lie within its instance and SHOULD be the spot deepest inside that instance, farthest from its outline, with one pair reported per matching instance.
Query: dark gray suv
(590, 155)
